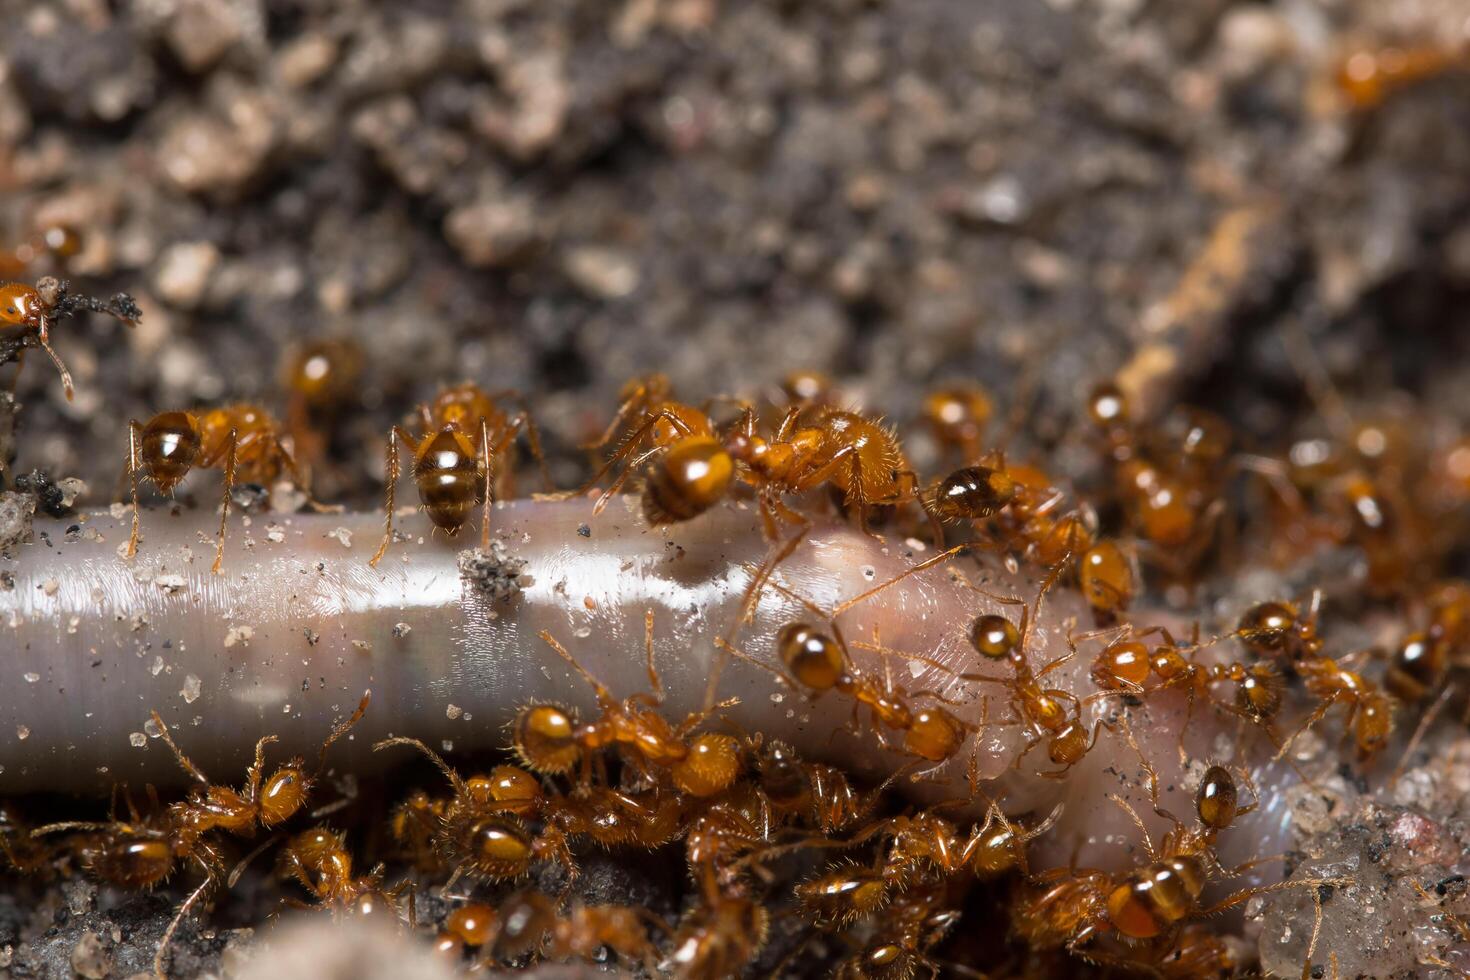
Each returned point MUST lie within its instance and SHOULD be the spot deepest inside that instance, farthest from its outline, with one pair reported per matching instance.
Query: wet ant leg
(231, 452)
(655, 683)
(134, 431)
(342, 729)
(173, 927)
(487, 492)
(604, 696)
(389, 486)
(456, 782)
(189, 767)
(1250, 893)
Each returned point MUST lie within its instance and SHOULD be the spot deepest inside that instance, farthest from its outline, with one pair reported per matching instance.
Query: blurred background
(555, 196)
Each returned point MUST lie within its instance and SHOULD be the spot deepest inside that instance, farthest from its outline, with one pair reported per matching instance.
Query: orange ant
(318, 376)
(141, 853)
(1043, 709)
(452, 472)
(916, 923)
(1154, 903)
(531, 923)
(1171, 492)
(820, 793)
(957, 417)
(242, 440)
(480, 837)
(860, 457)
(27, 313)
(688, 471)
(1370, 710)
(550, 741)
(318, 859)
(817, 661)
(724, 931)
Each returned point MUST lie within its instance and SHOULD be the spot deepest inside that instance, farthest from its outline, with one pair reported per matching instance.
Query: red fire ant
(464, 432)
(27, 313)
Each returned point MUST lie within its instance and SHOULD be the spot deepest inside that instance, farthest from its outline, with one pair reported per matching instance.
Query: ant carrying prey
(27, 313)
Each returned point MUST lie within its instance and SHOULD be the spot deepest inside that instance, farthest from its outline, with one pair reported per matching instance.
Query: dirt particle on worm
(496, 573)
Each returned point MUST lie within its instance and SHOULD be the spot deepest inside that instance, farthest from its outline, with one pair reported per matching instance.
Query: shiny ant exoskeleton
(550, 740)
(243, 441)
(457, 458)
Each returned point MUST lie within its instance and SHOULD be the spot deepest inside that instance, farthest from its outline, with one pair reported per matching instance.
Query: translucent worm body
(298, 626)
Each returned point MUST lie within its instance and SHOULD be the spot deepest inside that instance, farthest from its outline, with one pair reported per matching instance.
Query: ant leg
(640, 397)
(389, 485)
(189, 767)
(257, 769)
(927, 563)
(523, 421)
(1250, 893)
(622, 478)
(343, 729)
(916, 489)
(455, 780)
(604, 696)
(231, 451)
(173, 927)
(288, 459)
(631, 444)
(783, 431)
(488, 490)
(1148, 842)
(133, 438)
(655, 683)
(1312, 719)
(44, 339)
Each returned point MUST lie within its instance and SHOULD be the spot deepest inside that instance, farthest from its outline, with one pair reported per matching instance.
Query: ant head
(21, 306)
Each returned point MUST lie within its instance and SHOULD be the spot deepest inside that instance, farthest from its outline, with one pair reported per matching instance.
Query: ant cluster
(1168, 499)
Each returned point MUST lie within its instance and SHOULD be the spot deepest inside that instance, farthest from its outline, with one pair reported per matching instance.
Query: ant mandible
(242, 440)
(464, 433)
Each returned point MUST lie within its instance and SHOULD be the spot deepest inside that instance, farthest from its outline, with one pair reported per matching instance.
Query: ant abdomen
(971, 494)
(450, 479)
(687, 480)
(170, 446)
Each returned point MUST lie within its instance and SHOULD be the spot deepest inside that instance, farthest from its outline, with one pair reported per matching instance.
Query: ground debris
(496, 573)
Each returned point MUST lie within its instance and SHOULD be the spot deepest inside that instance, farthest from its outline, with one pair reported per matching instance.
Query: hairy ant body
(687, 470)
(549, 739)
(817, 661)
(463, 434)
(27, 313)
(860, 457)
(143, 852)
(480, 837)
(1149, 908)
(243, 441)
(530, 922)
(319, 860)
(319, 377)
(724, 931)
